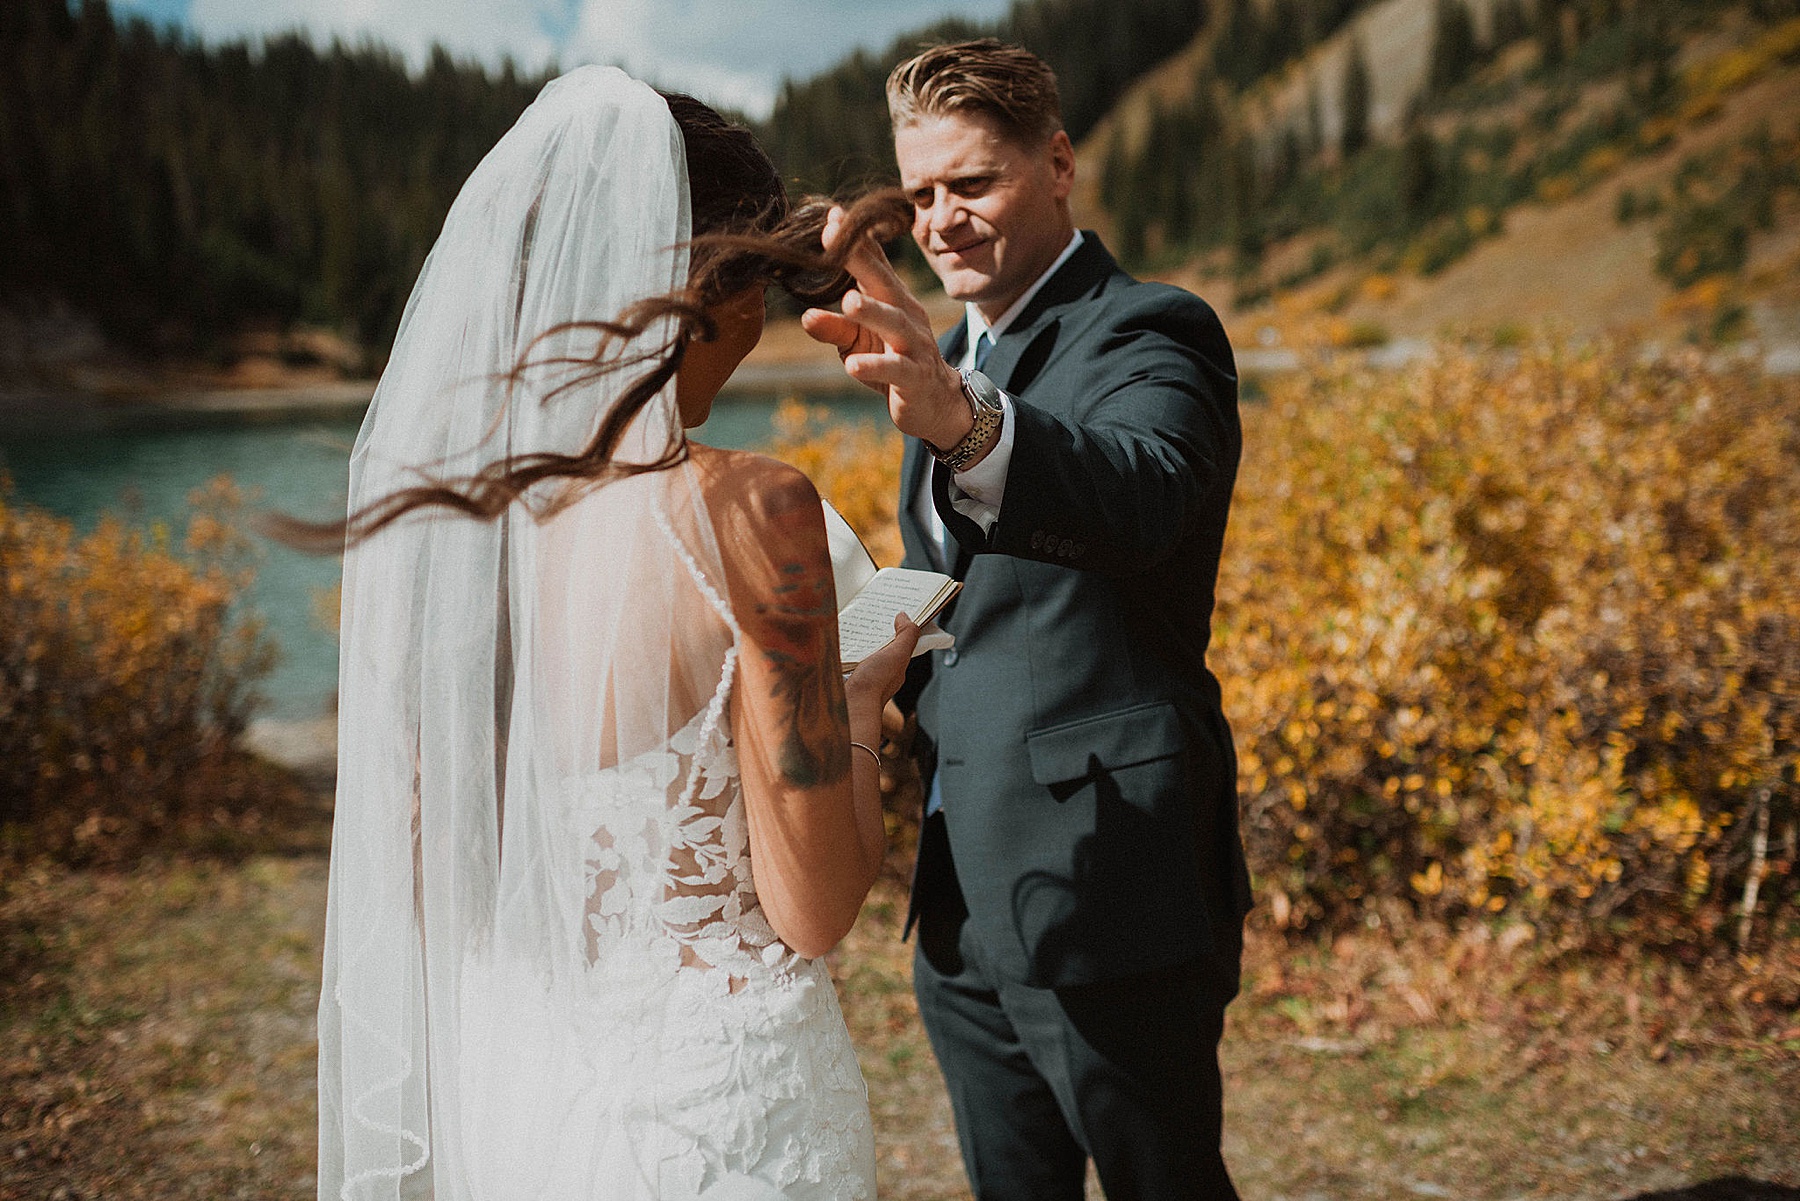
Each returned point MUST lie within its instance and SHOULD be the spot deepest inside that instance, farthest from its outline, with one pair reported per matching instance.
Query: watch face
(982, 390)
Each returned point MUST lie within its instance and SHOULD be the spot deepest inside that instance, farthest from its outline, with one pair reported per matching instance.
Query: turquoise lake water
(297, 468)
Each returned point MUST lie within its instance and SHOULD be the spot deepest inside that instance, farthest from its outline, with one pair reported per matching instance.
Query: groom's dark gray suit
(1084, 886)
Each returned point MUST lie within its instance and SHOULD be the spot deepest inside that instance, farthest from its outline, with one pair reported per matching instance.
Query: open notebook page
(853, 570)
(867, 622)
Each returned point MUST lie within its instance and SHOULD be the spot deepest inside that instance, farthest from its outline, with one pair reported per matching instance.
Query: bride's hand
(877, 678)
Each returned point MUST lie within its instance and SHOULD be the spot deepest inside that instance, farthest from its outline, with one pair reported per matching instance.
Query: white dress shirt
(977, 492)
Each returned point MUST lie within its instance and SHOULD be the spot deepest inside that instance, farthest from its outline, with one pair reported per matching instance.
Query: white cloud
(486, 30)
(732, 52)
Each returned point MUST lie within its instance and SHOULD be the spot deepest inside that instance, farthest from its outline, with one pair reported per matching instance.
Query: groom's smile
(987, 208)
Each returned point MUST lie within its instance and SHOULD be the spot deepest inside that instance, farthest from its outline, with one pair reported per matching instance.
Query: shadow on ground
(1725, 1188)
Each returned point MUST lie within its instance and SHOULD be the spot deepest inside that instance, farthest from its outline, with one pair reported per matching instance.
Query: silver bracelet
(875, 754)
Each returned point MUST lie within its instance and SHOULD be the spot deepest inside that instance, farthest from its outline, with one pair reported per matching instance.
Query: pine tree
(1315, 120)
(1650, 61)
(1509, 23)
(1418, 175)
(1239, 51)
(176, 192)
(1246, 206)
(1547, 16)
(1356, 99)
(1454, 48)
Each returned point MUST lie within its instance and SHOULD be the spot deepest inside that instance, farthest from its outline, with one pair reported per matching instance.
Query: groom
(1073, 441)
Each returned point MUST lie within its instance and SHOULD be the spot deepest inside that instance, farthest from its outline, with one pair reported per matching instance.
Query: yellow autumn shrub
(1513, 633)
(1519, 634)
(125, 678)
(854, 465)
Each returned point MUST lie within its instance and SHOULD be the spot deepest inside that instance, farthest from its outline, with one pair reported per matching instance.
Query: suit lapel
(1018, 355)
(913, 465)
(1018, 347)
(955, 340)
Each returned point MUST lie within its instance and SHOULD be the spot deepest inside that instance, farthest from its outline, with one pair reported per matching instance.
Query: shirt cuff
(977, 492)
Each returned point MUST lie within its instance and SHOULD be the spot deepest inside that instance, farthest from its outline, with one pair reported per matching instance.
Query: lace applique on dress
(684, 1051)
(672, 880)
(755, 1076)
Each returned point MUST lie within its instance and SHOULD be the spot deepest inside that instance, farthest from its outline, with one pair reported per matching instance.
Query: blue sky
(733, 52)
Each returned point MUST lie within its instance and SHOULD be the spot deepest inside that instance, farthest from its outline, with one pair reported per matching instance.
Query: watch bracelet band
(986, 420)
(960, 455)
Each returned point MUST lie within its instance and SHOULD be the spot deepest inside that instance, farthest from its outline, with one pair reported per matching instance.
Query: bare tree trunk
(1759, 863)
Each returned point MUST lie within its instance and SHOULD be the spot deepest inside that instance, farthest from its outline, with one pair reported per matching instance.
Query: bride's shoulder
(766, 513)
(754, 486)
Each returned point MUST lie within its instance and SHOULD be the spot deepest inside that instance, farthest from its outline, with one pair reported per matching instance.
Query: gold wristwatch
(984, 406)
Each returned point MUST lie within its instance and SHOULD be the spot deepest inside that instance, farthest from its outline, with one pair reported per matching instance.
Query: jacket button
(950, 657)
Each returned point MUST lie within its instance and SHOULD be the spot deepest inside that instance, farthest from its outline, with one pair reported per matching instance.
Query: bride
(604, 797)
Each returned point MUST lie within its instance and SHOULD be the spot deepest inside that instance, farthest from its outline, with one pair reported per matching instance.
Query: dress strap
(715, 708)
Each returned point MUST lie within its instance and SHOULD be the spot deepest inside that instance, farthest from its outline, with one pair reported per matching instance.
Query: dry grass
(1475, 1066)
(1470, 1066)
(157, 1031)
(157, 1037)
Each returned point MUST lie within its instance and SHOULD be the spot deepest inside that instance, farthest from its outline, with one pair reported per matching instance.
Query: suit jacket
(1088, 774)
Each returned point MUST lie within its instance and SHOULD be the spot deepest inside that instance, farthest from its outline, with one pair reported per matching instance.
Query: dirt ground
(156, 1041)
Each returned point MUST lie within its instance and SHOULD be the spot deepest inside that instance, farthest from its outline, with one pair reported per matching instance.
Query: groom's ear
(1062, 164)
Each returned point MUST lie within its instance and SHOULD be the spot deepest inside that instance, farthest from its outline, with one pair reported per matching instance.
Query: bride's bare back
(816, 839)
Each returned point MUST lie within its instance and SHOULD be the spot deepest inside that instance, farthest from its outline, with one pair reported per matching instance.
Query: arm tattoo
(802, 652)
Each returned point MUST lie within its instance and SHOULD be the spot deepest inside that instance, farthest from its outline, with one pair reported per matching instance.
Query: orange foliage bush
(1519, 635)
(854, 465)
(125, 678)
(1512, 634)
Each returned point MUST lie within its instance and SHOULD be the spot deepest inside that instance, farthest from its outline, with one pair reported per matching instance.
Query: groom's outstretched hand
(884, 338)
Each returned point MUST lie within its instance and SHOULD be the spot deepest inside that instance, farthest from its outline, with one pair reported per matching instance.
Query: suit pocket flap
(1078, 749)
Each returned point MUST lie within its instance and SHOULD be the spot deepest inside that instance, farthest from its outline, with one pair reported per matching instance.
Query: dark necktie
(984, 346)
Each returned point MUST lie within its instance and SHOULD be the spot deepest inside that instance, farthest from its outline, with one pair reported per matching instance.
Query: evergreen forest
(178, 193)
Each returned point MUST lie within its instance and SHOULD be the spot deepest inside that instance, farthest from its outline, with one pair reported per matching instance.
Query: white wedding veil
(486, 664)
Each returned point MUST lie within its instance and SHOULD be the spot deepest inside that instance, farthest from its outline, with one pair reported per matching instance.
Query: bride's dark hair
(745, 233)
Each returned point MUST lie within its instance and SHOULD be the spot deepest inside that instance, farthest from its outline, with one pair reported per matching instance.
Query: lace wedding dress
(695, 1056)
(546, 973)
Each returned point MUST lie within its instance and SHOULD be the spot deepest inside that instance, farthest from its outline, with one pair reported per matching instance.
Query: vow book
(868, 596)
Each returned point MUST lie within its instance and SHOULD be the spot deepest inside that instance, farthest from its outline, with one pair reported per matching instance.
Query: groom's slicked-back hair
(1007, 84)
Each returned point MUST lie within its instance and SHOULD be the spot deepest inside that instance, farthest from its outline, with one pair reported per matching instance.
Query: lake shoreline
(287, 450)
(72, 410)
(68, 410)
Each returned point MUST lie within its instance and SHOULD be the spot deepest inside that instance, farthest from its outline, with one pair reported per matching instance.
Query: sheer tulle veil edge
(486, 668)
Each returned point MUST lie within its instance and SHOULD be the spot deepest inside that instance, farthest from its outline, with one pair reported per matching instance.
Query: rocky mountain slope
(1619, 192)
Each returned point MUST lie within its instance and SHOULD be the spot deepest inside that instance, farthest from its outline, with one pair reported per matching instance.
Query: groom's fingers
(867, 263)
(877, 370)
(906, 376)
(834, 228)
(851, 340)
(875, 276)
(895, 326)
(833, 329)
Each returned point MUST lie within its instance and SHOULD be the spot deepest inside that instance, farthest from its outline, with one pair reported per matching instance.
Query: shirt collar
(978, 324)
